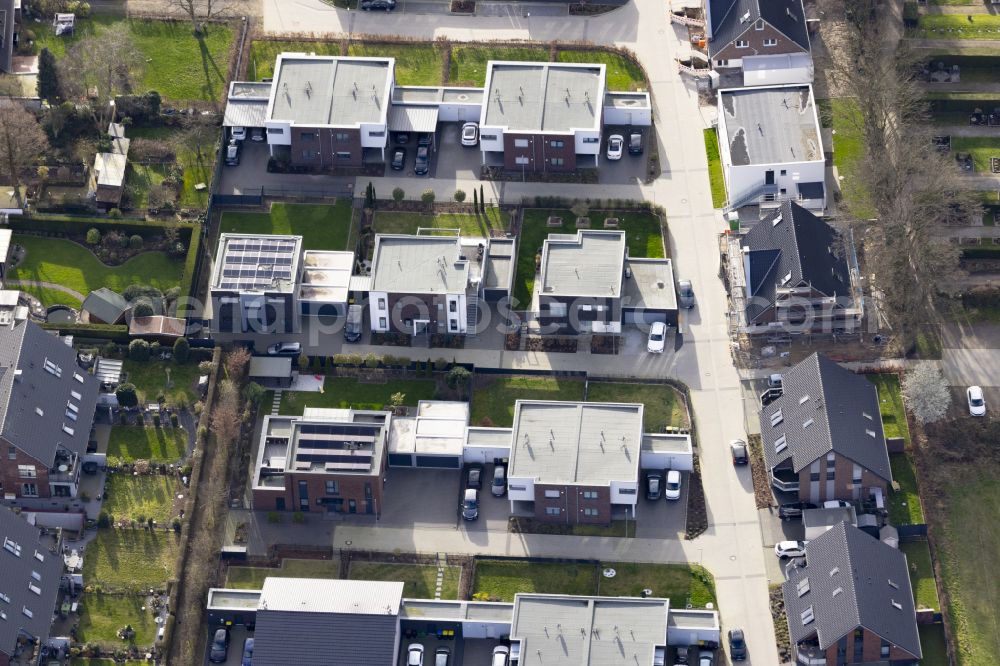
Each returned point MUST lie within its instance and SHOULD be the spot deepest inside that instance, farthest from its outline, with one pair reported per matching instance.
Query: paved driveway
(237, 634)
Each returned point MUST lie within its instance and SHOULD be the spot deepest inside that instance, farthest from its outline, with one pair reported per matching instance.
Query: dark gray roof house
(852, 582)
(792, 248)
(825, 408)
(311, 622)
(47, 401)
(732, 18)
(29, 584)
(105, 306)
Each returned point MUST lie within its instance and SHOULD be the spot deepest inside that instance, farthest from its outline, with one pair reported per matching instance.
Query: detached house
(47, 405)
(790, 273)
(823, 437)
(851, 603)
(767, 40)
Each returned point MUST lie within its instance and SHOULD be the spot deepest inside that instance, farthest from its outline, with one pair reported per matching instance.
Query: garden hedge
(115, 333)
(981, 252)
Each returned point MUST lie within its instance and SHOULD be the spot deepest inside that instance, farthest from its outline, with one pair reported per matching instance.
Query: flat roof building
(435, 437)
(587, 263)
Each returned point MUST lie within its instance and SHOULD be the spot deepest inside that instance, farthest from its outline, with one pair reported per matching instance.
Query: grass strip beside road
(715, 177)
(468, 63)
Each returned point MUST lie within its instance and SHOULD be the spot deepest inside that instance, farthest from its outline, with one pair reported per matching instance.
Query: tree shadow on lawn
(208, 65)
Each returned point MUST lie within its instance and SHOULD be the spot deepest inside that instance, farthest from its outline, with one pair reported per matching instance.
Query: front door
(279, 504)
(352, 506)
(769, 177)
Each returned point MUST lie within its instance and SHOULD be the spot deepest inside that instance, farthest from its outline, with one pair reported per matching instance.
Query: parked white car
(616, 146)
(415, 655)
(977, 404)
(657, 337)
(790, 549)
(672, 489)
(238, 133)
(470, 134)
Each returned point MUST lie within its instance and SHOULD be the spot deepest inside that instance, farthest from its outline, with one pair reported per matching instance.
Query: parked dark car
(423, 160)
(635, 143)
(398, 159)
(682, 654)
(424, 139)
(284, 349)
(793, 510)
(384, 5)
(220, 647)
(474, 477)
(737, 645)
(402, 138)
(247, 652)
(654, 485)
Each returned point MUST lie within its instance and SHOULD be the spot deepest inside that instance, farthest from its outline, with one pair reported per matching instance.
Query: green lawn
(252, 578)
(642, 233)
(664, 405)
(890, 398)
(322, 227)
(416, 64)
(621, 73)
(904, 506)
(681, 583)
(494, 398)
(933, 645)
(346, 391)
(468, 63)
(715, 177)
(958, 26)
(176, 382)
(102, 615)
(982, 148)
(71, 265)
(197, 162)
(482, 225)
(162, 445)
(130, 560)
(501, 580)
(418, 579)
(848, 152)
(918, 557)
(128, 497)
(178, 65)
(264, 53)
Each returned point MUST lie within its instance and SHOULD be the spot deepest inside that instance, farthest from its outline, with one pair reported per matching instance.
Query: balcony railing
(810, 655)
(785, 480)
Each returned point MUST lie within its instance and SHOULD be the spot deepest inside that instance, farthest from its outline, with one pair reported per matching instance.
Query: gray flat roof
(499, 269)
(558, 630)
(651, 286)
(418, 264)
(316, 595)
(437, 429)
(627, 100)
(326, 275)
(270, 366)
(331, 90)
(435, 95)
(245, 262)
(542, 96)
(666, 443)
(497, 437)
(770, 125)
(587, 263)
(425, 609)
(586, 443)
(693, 619)
(228, 598)
(250, 90)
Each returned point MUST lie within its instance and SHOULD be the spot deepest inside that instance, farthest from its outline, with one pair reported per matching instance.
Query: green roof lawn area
(348, 391)
(322, 227)
(177, 382)
(178, 64)
(159, 445)
(468, 63)
(664, 405)
(71, 265)
(493, 221)
(621, 72)
(252, 578)
(102, 615)
(642, 234)
(493, 397)
(715, 178)
(418, 579)
(128, 497)
(130, 560)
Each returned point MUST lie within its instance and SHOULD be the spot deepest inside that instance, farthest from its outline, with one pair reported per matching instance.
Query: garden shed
(271, 371)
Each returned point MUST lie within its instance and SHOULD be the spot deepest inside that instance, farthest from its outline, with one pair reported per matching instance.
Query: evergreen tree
(48, 76)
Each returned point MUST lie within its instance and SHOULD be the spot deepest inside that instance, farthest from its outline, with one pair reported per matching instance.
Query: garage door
(642, 316)
(439, 462)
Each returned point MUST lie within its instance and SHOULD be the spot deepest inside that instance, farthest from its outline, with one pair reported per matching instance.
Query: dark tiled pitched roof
(824, 408)
(854, 580)
(786, 16)
(792, 242)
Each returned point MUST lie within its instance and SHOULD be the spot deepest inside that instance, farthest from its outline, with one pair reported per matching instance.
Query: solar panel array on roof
(254, 263)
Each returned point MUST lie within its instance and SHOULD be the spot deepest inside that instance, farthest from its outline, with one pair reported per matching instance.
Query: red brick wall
(843, 481)
(871, 651)
(756, 44)
(572, 504)
(350, 487)
(325, 146)
(12, 481)
(539, 152)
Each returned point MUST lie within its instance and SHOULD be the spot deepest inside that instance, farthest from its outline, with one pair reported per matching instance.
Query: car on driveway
(238, 133)
(284, 349)
(706, 657)
(470, 134)
(785, 549)
(837, 504)
(616, 145)
(233, 151)
(424, 139)
(422, 163)
(657, 338)
(402, 138)
(442, 656)
(499, 485)
(654, 485)
(384, 5)
(685, 294)
(977, 404)
(501, 654)
(474, 477)
(257, 134)
(415, 655)
(470, 504)
(398, 159)
(793, 510)
(635, 143)
(672, 490)
(247, 652)
(737, 645)
(739, 450)
(219, 651)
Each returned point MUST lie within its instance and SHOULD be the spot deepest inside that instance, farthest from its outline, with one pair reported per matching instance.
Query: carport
(246, 105)
(409, 118)
(648, 292)
(434, 438)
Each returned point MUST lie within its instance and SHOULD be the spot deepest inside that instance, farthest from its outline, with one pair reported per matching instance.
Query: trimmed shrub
(138, 350)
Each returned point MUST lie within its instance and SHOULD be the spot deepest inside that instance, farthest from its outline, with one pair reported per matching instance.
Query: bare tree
(200, 11)
(107, 64)
(237, 362)
(21, 142)
(926, 392)
(226, 415)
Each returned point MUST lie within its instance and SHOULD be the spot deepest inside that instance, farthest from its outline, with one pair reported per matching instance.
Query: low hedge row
(115, 333)
(65, 224)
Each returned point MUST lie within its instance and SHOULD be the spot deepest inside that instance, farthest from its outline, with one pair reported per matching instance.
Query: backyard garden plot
(957, 26)
(981, 149)
(102, 615)
(848, 154)
(130, 560)
(904, 505)
(490, 223)
(349, 391)
(322, 227)
(468, 63)
(177, 383)
(419, 580)
(621, 72)
(180, 65)
(643, 234)
(138, 498)
(493, 397)
(127, 444)
(195, 156)
(663, 404)
(74, 267)
(252, 578)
